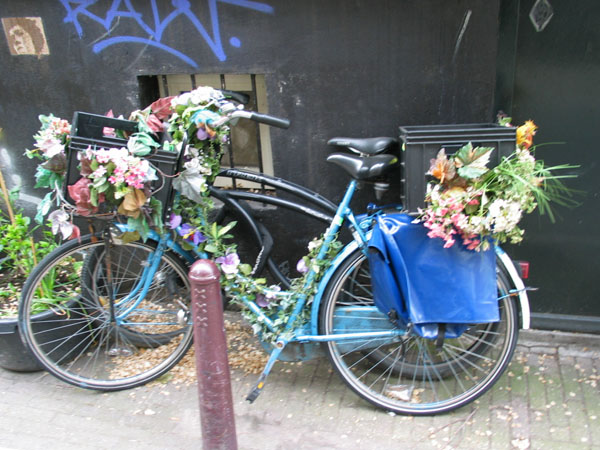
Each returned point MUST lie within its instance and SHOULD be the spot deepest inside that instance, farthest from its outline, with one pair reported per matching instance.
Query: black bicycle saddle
(365, 146)
(363, 168)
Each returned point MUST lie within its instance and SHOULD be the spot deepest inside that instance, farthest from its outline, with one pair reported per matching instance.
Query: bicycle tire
(93, 278)
(79, 343)
(409, 375)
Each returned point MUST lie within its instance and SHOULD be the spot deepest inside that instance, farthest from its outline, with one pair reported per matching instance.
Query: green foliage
(20, 251)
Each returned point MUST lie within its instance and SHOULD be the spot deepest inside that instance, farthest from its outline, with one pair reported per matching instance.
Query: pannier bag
(439, 291)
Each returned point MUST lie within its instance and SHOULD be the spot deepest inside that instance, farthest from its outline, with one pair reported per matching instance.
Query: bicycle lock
(212, 366)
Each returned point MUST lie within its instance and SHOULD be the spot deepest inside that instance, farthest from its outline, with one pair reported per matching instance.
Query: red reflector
(524, 266)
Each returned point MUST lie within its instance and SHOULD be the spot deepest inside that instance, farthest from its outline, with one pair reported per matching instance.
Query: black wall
(334, 67)
(337, 67)
(553, 78)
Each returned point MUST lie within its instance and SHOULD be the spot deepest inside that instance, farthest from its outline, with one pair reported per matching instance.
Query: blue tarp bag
(440, 291)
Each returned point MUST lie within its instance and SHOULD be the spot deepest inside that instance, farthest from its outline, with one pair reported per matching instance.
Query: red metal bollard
(214, 381)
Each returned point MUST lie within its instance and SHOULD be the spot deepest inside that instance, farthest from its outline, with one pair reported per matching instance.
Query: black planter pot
(64, 338)
(14, 354)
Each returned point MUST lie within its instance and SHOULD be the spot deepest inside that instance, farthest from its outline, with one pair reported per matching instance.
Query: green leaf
(141, 144)
(140, 225)
(43, 207)
(226, 228)
(472, 161)
(99, 182)
(130, 236)
(43, 177)
(157, 212)
(211, 248)
(93, 196)
(246, 269)
(104, 187)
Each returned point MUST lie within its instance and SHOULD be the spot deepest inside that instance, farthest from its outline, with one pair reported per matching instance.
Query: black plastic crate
(421, 143)
(87, 131)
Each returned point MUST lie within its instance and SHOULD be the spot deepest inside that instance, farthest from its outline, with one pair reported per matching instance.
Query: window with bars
(250, 142)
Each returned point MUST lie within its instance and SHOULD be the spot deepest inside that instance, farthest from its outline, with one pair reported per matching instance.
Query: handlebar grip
(270, 120)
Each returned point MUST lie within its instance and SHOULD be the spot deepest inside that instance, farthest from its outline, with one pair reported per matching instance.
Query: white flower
(525, 156)
(192, 151)
(61, 223)
(314, 244)
(50, 147)
(504, 215)
(199, 96)
(272, 292)
(182, 99)
(193, 165)
(205, 94)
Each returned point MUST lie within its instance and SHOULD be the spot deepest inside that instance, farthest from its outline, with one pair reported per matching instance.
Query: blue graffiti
(153, 32)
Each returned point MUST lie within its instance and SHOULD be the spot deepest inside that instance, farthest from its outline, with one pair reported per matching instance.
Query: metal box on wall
(421, 143)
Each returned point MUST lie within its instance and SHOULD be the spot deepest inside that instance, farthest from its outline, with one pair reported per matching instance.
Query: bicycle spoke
(84, 346)
(413, 376)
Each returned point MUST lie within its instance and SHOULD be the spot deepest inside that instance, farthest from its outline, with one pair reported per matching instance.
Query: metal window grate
(250, 142)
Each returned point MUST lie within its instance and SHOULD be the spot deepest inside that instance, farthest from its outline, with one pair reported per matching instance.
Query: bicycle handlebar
(270, 120)
(251, 115)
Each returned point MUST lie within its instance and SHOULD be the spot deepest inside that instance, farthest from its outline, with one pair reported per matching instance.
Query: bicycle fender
(519, 286)
(316, 305)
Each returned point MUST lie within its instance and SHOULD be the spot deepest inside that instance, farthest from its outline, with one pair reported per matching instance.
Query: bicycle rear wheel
(409, 374)
(82, 337)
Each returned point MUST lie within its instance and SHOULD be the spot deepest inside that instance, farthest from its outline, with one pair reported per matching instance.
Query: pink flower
(80, 193)
(102, 156)
(99, 172)
(449, 243)
(154, 123)
(161, 108)
(472, 245)
(107, 131)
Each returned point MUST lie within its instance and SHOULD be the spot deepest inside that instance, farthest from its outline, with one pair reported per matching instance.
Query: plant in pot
(20, 251)
(19, 254)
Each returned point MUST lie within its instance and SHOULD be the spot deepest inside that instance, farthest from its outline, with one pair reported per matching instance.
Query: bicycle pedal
(257, 389)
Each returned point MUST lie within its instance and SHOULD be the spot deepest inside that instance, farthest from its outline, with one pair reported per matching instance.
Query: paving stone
(549, 398)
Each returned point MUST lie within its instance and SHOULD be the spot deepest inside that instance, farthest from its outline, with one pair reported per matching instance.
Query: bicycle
(125, 319)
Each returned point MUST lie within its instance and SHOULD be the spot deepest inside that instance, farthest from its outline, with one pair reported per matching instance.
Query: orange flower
(441, 168)
(525, 134)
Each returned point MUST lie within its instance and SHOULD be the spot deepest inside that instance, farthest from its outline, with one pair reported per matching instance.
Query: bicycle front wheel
(88, 318)
(410, 374)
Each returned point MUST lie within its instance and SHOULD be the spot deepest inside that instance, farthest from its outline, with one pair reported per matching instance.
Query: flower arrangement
(195, 120)
(470, 202)
(116, 181)
(50, 144)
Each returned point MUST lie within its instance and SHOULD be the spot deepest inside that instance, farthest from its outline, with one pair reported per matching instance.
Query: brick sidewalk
(548, 399)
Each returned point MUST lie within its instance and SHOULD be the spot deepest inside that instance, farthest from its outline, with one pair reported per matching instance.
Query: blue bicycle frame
(351, 317)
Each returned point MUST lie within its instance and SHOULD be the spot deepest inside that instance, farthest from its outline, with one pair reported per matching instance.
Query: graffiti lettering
(153, 30)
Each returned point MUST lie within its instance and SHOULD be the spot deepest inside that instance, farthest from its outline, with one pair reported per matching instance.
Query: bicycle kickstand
(260, 384)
